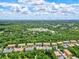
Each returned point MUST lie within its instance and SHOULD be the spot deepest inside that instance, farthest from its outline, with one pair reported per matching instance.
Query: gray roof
(44, 48)
(29, 49)
(6, 50)
(61, 57)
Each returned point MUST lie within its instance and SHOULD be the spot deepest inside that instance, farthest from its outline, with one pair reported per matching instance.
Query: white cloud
(5, 4)
(40, 7)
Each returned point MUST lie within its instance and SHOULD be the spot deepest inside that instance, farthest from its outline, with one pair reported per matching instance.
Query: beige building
(11, 46)
(77, 44)
(29, 47)
(67, 52)
(71, 45)
(57, 53)
(54, 44)
(60, 43)
(22, 45)
(18, 49)
(73, 41)
(46, 44)
(74, 57)
(38, 44)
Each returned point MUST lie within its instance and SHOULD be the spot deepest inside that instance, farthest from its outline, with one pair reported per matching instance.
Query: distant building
(73, 41)
(57, 53)
(38, 46)
(22, 45)
(30, 44)
(77, 44)
(71, 45)
(29, 47)
(46, 44)
(54, 44)
(67, 52)
(65, 46)
(61, 57)
(66, 42)
(74, 57)
(18, 49)
(60, 43)
(8, 50)
(11, 46)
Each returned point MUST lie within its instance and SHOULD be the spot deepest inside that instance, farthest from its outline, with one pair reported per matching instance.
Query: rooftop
(57, 53)
(46, 44)
(11, 45)
(18, 49)
(54, 43)
(60, 42)
(22, 44)
(30, 44)
(73, 41)
(67, 52)
(38, 43)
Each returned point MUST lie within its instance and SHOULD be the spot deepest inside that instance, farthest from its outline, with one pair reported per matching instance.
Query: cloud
(40, 7)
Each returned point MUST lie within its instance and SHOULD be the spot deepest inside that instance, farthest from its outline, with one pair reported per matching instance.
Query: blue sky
(57, 1)
(39, 9)
(8, 0)
(64, 1)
